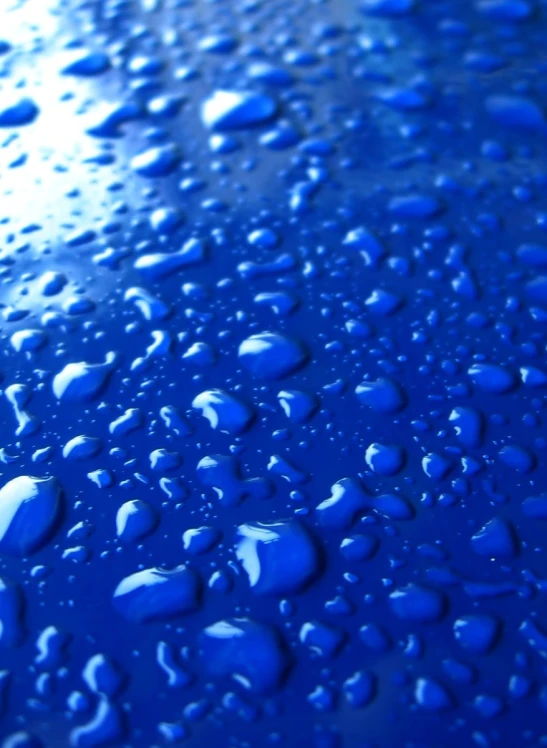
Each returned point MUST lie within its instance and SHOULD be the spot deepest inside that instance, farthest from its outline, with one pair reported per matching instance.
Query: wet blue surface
(274, 306)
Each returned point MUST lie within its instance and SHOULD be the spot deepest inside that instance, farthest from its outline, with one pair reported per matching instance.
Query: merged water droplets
(19, 396)
(159, 265)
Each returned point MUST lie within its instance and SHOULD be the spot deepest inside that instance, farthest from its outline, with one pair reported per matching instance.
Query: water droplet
(29, 511)
(279, 557)
(157, 594)
(236, 110)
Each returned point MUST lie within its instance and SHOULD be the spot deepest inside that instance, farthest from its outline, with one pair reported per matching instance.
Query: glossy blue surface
(273, 305)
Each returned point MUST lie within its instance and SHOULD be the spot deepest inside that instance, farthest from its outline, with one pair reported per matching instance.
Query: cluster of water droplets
(274, 294)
